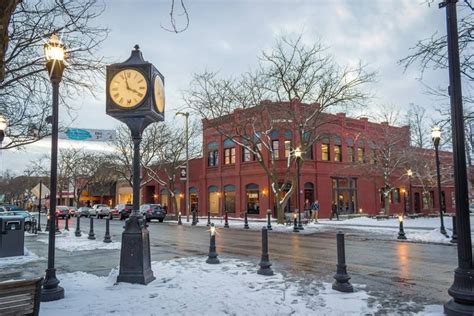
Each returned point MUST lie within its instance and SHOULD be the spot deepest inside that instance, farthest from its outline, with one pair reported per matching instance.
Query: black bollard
(226, 224)
(194, 219)
(342, 278)
(91, 230)
(454, 238)
(66, 223)
(265, 260)
(295, 226)
(47, 225)
(39, 218)
(78, 227)
(212, 256)
(401, 232)
(107, 238)
(246, 222)
(269, 217)
(208, 219)
(57, 226)
(179, 219)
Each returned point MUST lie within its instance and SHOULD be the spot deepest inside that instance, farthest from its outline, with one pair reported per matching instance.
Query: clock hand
(126, 82)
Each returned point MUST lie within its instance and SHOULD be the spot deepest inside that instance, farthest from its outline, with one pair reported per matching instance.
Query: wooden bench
(20, 297)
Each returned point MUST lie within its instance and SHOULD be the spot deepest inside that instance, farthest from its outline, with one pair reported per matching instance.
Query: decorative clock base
(135, 261)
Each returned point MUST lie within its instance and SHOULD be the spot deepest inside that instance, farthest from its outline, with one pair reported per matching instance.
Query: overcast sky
(229, 35)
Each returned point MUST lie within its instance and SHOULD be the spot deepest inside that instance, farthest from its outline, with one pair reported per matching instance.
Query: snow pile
(69, 242)
(432, 236)
(19, 260)
(189, 286)
(416, 223)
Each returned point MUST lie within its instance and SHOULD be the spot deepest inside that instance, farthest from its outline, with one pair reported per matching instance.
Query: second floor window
(275, 149)
(212, 158)
(350, 153)
(360, 155)
(229, 156)
(287, 148)
(325, 152)
(337, 153)
(246, 154)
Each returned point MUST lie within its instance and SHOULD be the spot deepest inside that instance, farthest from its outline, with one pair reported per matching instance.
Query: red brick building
(340, 168)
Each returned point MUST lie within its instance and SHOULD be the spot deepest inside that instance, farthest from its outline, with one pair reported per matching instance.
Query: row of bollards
(226, 220)
(341, 277)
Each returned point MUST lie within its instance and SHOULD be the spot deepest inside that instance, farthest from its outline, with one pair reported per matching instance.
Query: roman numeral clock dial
(128, 88)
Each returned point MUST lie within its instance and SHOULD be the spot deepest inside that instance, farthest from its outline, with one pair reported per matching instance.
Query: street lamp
(404, 201)
(186, 115)
(298, 153)
(409, 174)
(401, 232)
(436, 136)
(55, 55)
(3, 127)
(462, 289)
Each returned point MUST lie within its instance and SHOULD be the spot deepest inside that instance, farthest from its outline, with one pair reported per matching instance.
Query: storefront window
(214, 199)
(252, 196)
(229, 198)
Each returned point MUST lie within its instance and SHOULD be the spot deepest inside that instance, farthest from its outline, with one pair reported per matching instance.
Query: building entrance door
(417, 202)
(345, 194)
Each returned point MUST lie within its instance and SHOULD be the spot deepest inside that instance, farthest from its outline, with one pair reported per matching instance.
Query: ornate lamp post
(410, 203)
(436, 136)
(462, 290)
(186, 115)
(298, 153)
(3, 127)
(54, 52)
(404, 201)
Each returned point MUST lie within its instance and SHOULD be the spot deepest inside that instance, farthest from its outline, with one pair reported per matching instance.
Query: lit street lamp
(298, 153)
(54, 52)
(186, 115)
(3, 127)
(401, 232)
(404, 201)
(436, 136)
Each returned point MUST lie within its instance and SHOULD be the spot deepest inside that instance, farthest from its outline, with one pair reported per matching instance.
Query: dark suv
(122, 211)
(153, 211)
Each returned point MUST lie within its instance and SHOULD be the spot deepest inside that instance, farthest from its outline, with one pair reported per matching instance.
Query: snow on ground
(189, 286)
(69, 242)
(19, 260)
(416, 223)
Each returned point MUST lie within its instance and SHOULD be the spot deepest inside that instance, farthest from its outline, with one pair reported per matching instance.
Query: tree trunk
(386, 204)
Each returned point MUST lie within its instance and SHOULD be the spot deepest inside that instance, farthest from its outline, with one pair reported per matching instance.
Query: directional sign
(183, 173)
(100, 135)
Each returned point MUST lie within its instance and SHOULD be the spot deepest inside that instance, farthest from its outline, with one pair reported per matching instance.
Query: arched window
(336, 140)
(193, 199)
(212, 154)
(213, 199)
(229, 152)
(253, 198)
(229, 198)
(325, 154)
(350, 149)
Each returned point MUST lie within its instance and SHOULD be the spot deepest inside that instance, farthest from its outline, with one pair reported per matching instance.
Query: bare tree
(25, 92)
(292, 73)
(173, 13)
(171, 156)
(154, 137)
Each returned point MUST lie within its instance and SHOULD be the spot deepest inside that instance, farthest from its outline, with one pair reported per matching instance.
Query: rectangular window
(275, 149)
(373, 159)
(258, 151)
(229, 156)
(360, 155)
(325, 152)
(350, 153)
(337, 152)
(287, 148)
(212, 158)
(246, 154)
(308, 155)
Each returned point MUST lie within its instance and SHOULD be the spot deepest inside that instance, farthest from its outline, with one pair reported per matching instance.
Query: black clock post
(137, 105)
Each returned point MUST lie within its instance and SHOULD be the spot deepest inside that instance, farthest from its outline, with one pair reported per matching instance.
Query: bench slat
(13, 291)
(16, 298)
(20, 297)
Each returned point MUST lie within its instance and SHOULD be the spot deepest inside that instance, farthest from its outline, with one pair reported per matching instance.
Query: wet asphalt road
(395, 272)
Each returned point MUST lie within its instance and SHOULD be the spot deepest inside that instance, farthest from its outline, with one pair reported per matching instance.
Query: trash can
(12, 236)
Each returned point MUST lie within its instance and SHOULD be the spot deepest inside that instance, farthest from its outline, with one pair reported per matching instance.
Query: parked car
(122, 211)
(8, 207)
(72, 211)
(83, 211)
(23, 213)
(99, 210)
(62, 211)
(153, 211)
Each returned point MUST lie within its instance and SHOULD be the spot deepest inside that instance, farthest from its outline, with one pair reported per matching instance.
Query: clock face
(128, 88)
(159, 94)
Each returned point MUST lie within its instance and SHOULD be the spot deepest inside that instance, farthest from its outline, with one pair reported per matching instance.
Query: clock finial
(136, 47)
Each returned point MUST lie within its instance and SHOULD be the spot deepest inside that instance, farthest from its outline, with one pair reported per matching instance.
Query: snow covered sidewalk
(69, 242)
(189, 286)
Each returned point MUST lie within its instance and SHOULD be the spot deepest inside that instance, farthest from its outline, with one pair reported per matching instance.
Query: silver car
(83, 211)
(99, 210)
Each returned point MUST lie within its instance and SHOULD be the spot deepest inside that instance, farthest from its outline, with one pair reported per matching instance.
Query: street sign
(98, 135)
(183, 173)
